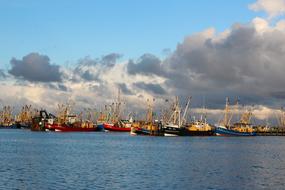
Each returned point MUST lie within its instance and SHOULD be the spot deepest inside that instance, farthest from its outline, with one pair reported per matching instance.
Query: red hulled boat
(65, 122)
(70, 128)
(113, 121)
(117, 127)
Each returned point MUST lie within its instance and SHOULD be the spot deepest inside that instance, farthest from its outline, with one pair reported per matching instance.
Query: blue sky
(238, 63)
(68, 30)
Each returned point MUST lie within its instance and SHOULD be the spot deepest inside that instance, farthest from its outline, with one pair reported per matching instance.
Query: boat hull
(12, 126)
(66, 128)
(198, 133)
(100, 127)
(24, 125)
(172, 131)
(219, 131)
(142, 131)
(112, 127)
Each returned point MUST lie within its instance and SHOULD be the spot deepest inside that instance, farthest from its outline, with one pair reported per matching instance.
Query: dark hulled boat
(100, 126)
(9, 126)
(40, 121)
(173, 130)
(199, 128)
(149, 129)
(176, 123)
(24, 118)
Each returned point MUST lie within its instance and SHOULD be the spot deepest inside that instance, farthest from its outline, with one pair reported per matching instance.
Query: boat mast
(165, 115)
(178, 112)
(118, 106)
(7, 115)
(246, 117)
(281, 119)
(204, 112)
(185, 111)
(1, 117)
(149, 114)
(237, 109)
(115, 107)
(175, 116)
(226, 121)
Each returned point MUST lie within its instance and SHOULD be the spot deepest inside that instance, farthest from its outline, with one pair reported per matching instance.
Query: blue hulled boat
(240, 128)
(9, 126)
(100, 126)
(224, 131)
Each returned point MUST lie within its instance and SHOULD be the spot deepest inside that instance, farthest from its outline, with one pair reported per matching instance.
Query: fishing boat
(199, 128)
(71, 124)
(6, 118)
(75, 127)
(147, 127)
(24, 118)
(224, 131)
(102, 118)
(114, 122)
(64, 122)
(241, 128)
(67, 122)
(119, 126)
(176, 125)
(100, 126)
(40, 121)
(9, 126)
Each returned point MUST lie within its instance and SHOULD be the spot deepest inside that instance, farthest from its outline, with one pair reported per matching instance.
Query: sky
(84, 51)
(68, 30)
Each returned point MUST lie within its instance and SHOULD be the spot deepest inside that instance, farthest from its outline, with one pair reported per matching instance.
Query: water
(37, 160)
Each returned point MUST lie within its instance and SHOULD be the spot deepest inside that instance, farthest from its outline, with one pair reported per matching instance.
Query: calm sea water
(37, 160)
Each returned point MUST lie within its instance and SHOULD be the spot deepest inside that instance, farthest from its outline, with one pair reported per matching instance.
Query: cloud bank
(35, 68)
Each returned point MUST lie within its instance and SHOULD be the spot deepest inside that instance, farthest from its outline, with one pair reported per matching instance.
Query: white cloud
(263, 112)
(260, 24)
(273, 8)
(260, 113)
(280, 25)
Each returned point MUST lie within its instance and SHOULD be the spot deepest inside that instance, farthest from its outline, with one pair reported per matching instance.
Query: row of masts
(25, 116)
(178, 117)
(229, 111)
(175, 114)
(112, 113)
(6, 115)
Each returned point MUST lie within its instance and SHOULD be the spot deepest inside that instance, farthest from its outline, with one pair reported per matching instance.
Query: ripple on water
(118, 161)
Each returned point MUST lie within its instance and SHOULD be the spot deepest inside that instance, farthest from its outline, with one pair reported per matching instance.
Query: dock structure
(272, 132)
